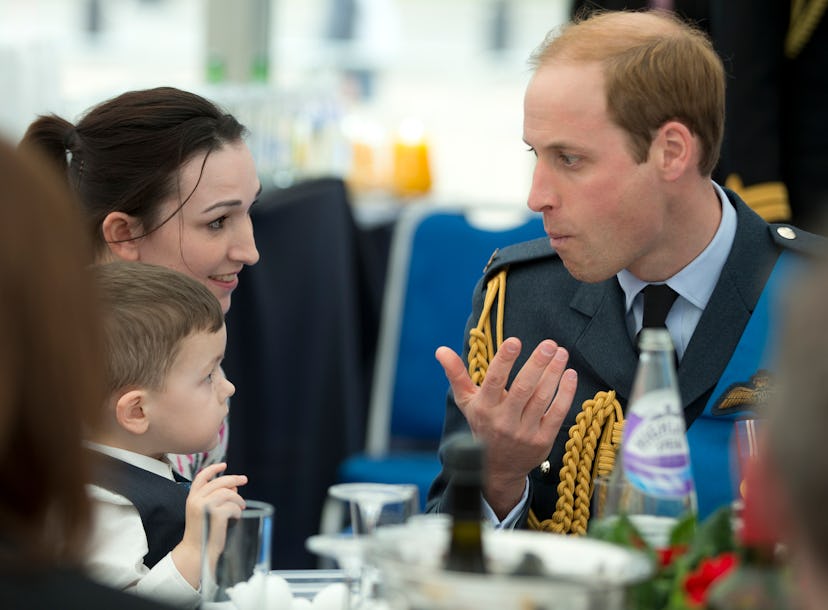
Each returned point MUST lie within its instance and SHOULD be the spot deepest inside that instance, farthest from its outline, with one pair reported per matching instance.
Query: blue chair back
(438, 255)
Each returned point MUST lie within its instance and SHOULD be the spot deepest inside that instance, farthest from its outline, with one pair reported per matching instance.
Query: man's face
(603, 212)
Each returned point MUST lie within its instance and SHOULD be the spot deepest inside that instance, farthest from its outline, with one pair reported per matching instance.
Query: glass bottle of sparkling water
(652, 481)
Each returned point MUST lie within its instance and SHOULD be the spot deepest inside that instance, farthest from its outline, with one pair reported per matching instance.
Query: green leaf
(684, 531)
(619, 530)
(665, 591)
(713, 537)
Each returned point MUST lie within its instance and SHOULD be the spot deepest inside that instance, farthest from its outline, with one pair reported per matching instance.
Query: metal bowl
(577, 573)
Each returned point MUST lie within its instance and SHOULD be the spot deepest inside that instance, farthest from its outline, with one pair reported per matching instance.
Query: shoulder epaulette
(800, 241)
(518, 253)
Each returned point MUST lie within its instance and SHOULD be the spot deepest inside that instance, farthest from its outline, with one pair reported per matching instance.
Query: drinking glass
(747, 443)
(371, 505)
(235, 557)
(347, 551)
(614, 497)
(607, 497)
(367, 502)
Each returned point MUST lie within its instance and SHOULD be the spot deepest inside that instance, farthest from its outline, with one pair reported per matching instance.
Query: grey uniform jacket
(544, 301)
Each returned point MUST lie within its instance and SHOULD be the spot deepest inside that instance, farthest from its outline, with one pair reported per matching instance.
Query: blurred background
(326, 86)
(408, 101)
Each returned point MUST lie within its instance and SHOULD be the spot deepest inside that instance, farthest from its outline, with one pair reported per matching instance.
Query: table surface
(307, 583)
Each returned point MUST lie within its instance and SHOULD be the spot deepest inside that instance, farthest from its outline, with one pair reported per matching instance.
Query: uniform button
(786, 232)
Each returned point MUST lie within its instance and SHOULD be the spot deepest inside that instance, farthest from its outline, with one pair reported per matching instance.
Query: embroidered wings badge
(748, 395)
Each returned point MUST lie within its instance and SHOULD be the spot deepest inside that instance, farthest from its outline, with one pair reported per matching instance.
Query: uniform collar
(696, 281)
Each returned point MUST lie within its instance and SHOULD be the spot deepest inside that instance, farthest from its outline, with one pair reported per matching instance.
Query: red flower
(708, 571)
(666, 556)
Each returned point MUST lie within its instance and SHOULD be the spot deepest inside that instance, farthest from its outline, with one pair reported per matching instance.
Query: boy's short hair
(148, 310)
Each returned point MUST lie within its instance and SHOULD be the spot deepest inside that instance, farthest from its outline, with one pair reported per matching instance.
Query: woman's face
(211, 237)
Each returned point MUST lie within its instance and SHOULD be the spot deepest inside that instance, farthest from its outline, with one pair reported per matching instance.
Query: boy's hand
(221, 495)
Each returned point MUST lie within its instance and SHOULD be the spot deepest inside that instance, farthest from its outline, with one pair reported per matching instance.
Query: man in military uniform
(624, 114)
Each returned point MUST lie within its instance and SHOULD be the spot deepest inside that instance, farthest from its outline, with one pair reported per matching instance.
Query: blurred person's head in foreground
(795, 439)
(50, 363)
(51, 358)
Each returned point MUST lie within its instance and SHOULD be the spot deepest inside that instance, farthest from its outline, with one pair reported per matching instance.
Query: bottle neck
(656, 369)
(465, 551)
(466, 502)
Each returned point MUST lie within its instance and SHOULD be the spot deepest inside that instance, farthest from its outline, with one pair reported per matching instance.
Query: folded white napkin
(277, 595)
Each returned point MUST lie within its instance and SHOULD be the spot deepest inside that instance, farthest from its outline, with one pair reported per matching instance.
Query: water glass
(235, 557)
(651, 516)
(371, 505)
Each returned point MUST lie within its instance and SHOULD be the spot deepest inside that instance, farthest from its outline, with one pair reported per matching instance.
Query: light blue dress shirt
(694, 284)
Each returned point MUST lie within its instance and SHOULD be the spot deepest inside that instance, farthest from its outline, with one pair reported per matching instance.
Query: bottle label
(655, 453)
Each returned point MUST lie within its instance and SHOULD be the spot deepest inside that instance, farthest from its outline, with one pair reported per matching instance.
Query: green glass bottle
(463, 461)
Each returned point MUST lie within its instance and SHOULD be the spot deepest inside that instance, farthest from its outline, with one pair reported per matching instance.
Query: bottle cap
(655, 339)
(463, 458)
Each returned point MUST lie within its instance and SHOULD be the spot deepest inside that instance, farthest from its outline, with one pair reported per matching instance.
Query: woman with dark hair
(50, 361)
(164, 176)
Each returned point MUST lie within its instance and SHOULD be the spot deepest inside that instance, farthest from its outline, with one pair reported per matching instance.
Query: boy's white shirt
(119, 543)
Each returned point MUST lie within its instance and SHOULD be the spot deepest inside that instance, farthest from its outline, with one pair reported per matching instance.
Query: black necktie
(658, 299)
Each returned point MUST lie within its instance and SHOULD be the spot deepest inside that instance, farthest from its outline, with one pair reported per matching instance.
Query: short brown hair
(657, 68)
(148, 311)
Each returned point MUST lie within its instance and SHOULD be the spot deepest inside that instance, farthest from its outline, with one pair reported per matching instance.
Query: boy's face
(187, 413)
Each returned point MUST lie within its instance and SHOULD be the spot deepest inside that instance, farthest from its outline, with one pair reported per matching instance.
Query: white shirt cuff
(164, 582)
(510, 520)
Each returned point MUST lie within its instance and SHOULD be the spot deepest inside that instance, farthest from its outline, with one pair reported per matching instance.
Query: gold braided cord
(600, 423)
(501, 305)
(805, 15)
(481, 346)
(768, 199)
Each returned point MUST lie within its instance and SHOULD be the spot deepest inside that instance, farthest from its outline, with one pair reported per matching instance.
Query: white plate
(580, 573)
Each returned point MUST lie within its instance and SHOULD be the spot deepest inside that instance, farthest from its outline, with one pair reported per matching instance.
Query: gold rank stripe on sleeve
(768, 199)
(805, 15)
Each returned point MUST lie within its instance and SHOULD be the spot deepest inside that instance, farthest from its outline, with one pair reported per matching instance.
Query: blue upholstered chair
(437, 255)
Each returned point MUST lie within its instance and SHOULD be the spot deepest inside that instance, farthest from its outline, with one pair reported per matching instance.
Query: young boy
(165, 393)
